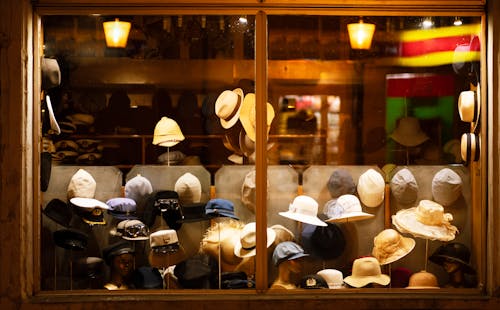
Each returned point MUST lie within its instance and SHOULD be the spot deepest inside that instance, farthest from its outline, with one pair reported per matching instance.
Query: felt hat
(408, 132)
(51, 73)
(133, 230)
(427, 221)
(116, 249)
(304, 209)
(366, 270)
(122, 208)
(164, 241)
(146, 277)
(469, 106)
(346, 208)
(287, 250)
(404, 187)
(167, 132)
(218, 207)
(470, 147)
(390, 246)
(82, 184)
(333, 277)
(446, 187)
(248, 118)
(371, 188)
(313, 281)
(340, 183)
(453, 252)
(228, 106)
(58, 211)
(245, 245)
(71, 239)
(188, 187)
(325, 242)
(423, 280)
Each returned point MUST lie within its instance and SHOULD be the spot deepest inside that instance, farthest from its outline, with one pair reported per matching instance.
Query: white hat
(371, 188)
(188, 187)
(346, 208)
(333, 277)
(408, 132)
(245, 245)
(82, 184)
(446, 187)
(366, 270)
(164, 241)
(468, 106)
(470, 147)
(228, 106)
(247, 115)
(88, 203)
(389, 246)
(138, 188)
(304, 209)
(427, 221)
(404, 186)
(167, 132)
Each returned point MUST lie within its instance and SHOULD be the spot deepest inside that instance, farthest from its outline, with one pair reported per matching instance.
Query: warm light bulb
(457, 21)
(116, 33)
(360, 35)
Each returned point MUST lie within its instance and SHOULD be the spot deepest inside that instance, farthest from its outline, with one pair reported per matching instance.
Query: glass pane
(366, 134)
(138, 137)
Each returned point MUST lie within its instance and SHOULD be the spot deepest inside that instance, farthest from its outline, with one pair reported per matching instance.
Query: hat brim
(313, 220)
(407, 247)
(411, 141)
(439, 259)
(241, 252)
(381, 279)
(136, 238)
(406, 222)
(218, 213)
(88, 203)
(350, 217)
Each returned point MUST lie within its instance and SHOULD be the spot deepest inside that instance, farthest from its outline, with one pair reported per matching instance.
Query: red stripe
(416, 48)
(421, 86)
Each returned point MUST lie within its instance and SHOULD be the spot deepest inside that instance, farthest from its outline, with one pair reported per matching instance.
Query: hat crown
(333, 277)
(366, 267)
(446, 186)
(404, 186)
(138, 187)
(163, 237)
(423, 279)
(431, 213)
(371, 186)
(304, 205)
(188, 187)
(82, 184)
(285, 250)
(122, 204)
(226, 104)
(348, 203)
(340, 183)
(248, 236)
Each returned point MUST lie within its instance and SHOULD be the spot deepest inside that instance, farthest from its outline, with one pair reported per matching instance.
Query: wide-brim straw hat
(390, 246)
(304, 209)
(408, 132)
(366, 270)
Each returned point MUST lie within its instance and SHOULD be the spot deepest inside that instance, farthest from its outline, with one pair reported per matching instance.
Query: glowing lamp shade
(360, 35)
(116, 33)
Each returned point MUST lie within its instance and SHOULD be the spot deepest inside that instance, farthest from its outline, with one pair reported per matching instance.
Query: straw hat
(408, 132)
(371, 188)
(366, 270)
(247, 115)
(389, 246)
(427, 221)
(304, 209)
(245, 246)
(346, 208)
(228, 106)
(423, 280)
(167, 133)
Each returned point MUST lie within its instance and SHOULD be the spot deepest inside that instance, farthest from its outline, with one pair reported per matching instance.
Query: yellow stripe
(433, 59)
(434, 33)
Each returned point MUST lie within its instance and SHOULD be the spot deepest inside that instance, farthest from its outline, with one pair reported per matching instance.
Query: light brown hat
(469, 106)
(366, 270)
(408, 132)
(390, 246)
(245, 245)
(470, 147)
(228, 106)
(423, 280)
(167, 133)
(247, 115)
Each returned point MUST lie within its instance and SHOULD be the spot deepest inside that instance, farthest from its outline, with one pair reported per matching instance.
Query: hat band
(248, 248)
(235, 110)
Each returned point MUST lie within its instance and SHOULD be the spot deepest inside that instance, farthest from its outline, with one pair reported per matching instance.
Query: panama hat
(390, 246)
(245, 245)
(228, 106)
(304, 209)
(366, 270)
(167, 132)
(248, 118)
(408, 132)
(346, 208)
(427, 221)
(371, 188)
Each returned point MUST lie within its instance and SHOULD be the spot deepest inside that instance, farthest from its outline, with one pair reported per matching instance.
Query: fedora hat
(371, 188)
(408, 132)
(346, 208)
(245, 245)
(167, 132)
(228, 106)
(248, 118)
(304, 209)
(404, 186)
(470, 147)
(446, 187)
(422, 280)
(427, 221)
(469, 106)
(390, 246)
(366, 270)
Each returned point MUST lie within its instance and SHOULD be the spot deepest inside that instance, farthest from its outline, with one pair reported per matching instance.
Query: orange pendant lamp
(116, 33)
(360, 35)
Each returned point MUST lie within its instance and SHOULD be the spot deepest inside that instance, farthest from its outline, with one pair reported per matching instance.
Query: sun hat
(366, 270)
(287, 250)
(188, 187)
(427, 221)
(313, 281)
(469, 106)
(390, 246)
(453, 252)
(219, 207)
(122, 208)
(116, 249)
(248, 118)
(470, 147)
(70, 239)
(59, 212)
(371, 188)
(245, 245)
(446, 187)
(404, 187)
(146, 277)
(167, 132)
(346, 208)
(228, 106)
(164, 241)
(325, 242)
(423, 280)
(133, 230)
(408, 132)
(304, 209)
(340, 183)
(82, 184)
(333, 277)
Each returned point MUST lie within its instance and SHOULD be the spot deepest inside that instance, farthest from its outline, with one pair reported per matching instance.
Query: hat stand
(426, 253)
(71, 269)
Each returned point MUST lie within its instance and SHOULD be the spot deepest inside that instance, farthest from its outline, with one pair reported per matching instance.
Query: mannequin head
(122, 265)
